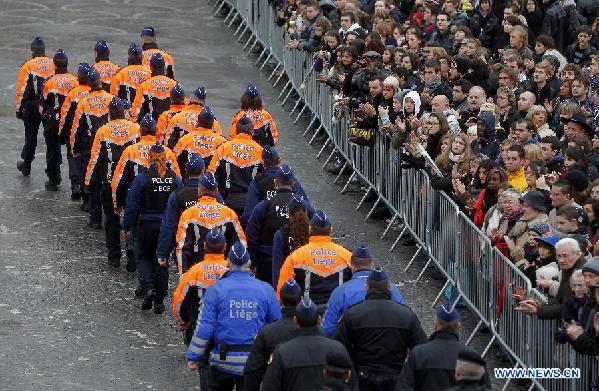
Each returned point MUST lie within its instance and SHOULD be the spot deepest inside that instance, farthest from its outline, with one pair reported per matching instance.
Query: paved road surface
(67, 320)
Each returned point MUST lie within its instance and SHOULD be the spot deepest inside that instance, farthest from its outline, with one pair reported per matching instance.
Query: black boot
(131, 264)
(114, 262)
(139, 291)
(75, 195)
(51, 185)
(148, 300)
(24, 167)
(158, 306)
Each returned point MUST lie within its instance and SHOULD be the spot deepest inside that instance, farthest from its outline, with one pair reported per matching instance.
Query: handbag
(360, 136)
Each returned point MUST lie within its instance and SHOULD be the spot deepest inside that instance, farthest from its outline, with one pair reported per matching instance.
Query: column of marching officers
(256, 262)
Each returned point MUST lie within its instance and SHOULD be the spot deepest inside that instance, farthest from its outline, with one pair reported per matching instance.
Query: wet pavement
(68, 321)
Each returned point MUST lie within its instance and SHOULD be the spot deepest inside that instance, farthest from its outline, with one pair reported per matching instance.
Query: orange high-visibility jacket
(165, 118)
(319, 267)
(134, 160)
(196, 221)
(169, 63)
(107, 71)
(67, 111)
(265, 127)
(110, 142)
(185, 122)
(203, 142)
(30, 82)
(127, 81)
(91, 114)
(154, 97)
(201, 275)
(55, 92)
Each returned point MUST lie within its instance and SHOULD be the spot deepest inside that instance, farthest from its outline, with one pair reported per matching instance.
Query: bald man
(526, 100)
(440, 105)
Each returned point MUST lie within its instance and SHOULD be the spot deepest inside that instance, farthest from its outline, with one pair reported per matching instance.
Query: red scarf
(479, 213)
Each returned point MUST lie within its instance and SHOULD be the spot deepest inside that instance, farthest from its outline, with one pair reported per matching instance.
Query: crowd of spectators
(504, 98)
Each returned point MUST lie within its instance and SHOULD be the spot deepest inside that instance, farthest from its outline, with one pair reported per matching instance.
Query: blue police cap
(102, 47)
(215, 237)
(297, 201)
(378, 274)
(134, 50)
(285, 173)
(208, 181)
(148, 32)
(126, 104)
(320, 220)
(270, 153)
(251, 91)
(471, 356)
(38, 43)
(60, 55)
(116, 106)
(157, 148)
(93, 76)
(206, 115)
(200, 92)
(245, 121)
(157, 61)
(238, 254)
(147, 122)
(177, 93)
(306, 307)
(447, 313)
(194, 164)
(83, 69)
(361, 252)
(290, 288)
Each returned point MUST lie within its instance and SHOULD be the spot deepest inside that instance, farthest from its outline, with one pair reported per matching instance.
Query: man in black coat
(297, 365)
(469, 371)
(431, 366)
(271, 336)
(378, 334)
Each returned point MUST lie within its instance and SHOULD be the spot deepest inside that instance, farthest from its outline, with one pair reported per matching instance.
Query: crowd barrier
(477, 273)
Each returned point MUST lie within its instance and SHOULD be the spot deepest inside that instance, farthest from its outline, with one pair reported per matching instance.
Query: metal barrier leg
(231, 12)
(219, 5)
(351, 177)
(279, 78)
(471, 337)
(251, 39)
(309, 126)
(300, 114)
(364, 198)
(297, 103)
(243, 34)
(373, 208)
(233, 19)
(395, 216)
(398, 239)
(328, 140)
(488, 346)
(341, 172)
(329, 158)
(266, 61)
(287, 85)
(440, 294)
(274, 71)
(423, 270)
(418, 248)
(239, 28)
(315, 134)
(287, 96)
(253, 46)
(260, 56)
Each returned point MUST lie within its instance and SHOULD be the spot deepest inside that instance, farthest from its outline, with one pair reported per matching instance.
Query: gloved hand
(19, 114)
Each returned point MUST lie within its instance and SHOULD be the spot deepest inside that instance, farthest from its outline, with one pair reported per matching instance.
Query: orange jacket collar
(319, 239)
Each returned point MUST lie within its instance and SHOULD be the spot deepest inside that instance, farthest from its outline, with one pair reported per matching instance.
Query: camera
(561, 335)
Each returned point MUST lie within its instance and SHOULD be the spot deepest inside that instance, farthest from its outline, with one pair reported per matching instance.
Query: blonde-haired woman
(454, 164)
(537, 114)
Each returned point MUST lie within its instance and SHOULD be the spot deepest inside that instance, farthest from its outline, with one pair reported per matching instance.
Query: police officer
(110, 142)
(263, 186)
(235, 164)
(268, 216)
(353, 291)
(298, 364)
(187, 299)
(265, 130)
(127, 82)
(154, 94)
(54, 94)
(469, 372)
(146, 201)
(319, 266)
(177, 104)
(90, 115)
(195, 221)
(337, 372)
(106, 68)
(431, 365)
(271, 336)
(203, 140)
(67, 113)
(30, 85)
(293, 234)
(235, 308)
(378, 334)
(150, 47)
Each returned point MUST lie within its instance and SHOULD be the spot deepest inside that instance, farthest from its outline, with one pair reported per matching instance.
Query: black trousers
(32, 120)
(96, 201)
(53, 152)
(220, 381)
(151, 275)
(377, 382)
(264, 268)
(112, 223)
(75, 174)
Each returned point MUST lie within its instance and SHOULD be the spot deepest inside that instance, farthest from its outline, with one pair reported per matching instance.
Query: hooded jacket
(490, 146)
